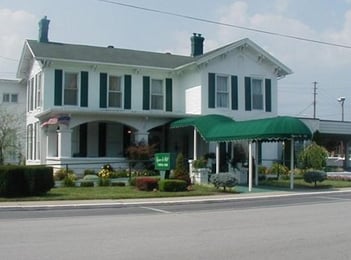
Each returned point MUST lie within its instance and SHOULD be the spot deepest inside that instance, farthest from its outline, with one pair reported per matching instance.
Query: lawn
(113, 192)
(130, 192)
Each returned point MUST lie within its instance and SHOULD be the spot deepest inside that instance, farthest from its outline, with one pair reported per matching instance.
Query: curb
(84, 204)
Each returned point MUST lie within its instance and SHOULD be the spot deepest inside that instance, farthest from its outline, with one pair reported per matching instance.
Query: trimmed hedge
(172, 185)
(146, 183)
(18, 181)
(314, 176)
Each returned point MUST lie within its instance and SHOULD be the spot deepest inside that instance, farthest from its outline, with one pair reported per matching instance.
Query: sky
(102, 23)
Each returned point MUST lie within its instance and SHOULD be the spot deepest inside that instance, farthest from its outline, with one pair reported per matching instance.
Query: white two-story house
(88, 104)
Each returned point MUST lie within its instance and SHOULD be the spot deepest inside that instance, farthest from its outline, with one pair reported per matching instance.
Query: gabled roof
(135, 58)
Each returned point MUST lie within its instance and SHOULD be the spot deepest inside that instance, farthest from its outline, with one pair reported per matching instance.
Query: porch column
(51, 142)
(250, 166)
(347, 154)
(141, 138)
(217, 158)
(64, 141)
(256, 160)
(292, 164)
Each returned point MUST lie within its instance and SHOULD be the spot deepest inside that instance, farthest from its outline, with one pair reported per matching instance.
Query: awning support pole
(195, 144)
(292, 164)
(250, 166)
(217, 157)
(256, 160)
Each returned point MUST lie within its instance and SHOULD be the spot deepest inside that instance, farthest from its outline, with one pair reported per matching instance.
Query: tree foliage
(180, 171)
(10, 132)
(313, 156)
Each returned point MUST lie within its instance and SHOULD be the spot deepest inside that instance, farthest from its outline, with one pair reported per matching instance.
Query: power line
(7, 58)
(226, 24)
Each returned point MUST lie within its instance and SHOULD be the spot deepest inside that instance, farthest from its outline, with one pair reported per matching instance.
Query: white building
(87, 104)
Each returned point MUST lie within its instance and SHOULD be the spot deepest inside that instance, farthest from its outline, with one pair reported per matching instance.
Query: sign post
(164, 162)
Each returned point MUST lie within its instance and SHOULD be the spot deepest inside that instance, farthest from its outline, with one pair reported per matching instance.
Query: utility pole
(314, 98)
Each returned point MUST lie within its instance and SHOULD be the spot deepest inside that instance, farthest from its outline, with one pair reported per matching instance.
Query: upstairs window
(115, 92)
(257, 94)
(157, 94)
(222, 90)
(6, 98)
(70, 88)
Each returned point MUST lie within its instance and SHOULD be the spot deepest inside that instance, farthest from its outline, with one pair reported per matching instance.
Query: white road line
(334, 198)
(157, 210)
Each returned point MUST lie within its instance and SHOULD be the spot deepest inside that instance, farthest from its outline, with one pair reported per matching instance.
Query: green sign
(164, 161)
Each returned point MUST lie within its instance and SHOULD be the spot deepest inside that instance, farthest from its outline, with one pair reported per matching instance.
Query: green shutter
(268, 95)
(234, 92)
(247, 93)
(146, 93)
(127, 91)
(58, 88)
(84, 89)
(211, 90)
(169, 90)
(103, 90)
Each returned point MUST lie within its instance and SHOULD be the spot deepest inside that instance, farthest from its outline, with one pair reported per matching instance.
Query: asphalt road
(296, 227)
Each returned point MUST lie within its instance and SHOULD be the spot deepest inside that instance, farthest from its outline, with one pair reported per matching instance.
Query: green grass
(111, 192)
(300, 183)
(130, 192)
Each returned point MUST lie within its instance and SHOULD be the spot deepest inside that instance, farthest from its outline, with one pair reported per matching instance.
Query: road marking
(334, 198)
(157, 210)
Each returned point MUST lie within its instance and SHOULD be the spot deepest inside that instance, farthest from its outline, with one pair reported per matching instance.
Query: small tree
(313, 156)
(10, 131)
(314, 176)
(180, 171)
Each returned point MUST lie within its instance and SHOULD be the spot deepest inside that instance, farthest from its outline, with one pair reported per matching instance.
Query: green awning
(219, 128)
(267, 129)
(203, 124)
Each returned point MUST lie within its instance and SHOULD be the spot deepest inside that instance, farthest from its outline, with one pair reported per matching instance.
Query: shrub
(61, 174)
(87, 184)
(104, 182)
(146, 183)
(279, 169)
(314, 176)
(120, 173)
(118, 184)
(172, 185)
(69, 180)
(90, 177)
(224, 179)
(180, 171)
(313, 157)
(89, 172)
(25, 180)
(199, 163)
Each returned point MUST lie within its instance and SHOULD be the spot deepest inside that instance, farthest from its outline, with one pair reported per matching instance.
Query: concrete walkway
(71, 204)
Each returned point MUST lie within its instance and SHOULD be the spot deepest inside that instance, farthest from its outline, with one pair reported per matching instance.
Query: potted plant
(200, 171)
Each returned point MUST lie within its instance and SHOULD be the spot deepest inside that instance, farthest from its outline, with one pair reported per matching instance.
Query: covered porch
(218, 129)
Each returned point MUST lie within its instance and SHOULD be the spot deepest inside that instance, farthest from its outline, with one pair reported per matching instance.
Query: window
(115, 91)
(222, 91)
(70, 89)
(14, 98)
(257, 94)
(6, 97)
(157, 95)
(38, 94)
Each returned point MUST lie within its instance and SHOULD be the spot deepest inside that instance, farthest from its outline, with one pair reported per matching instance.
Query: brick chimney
(44, 30)
(197, 44)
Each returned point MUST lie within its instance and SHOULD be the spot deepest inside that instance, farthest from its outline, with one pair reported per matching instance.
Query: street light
(342, 100)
